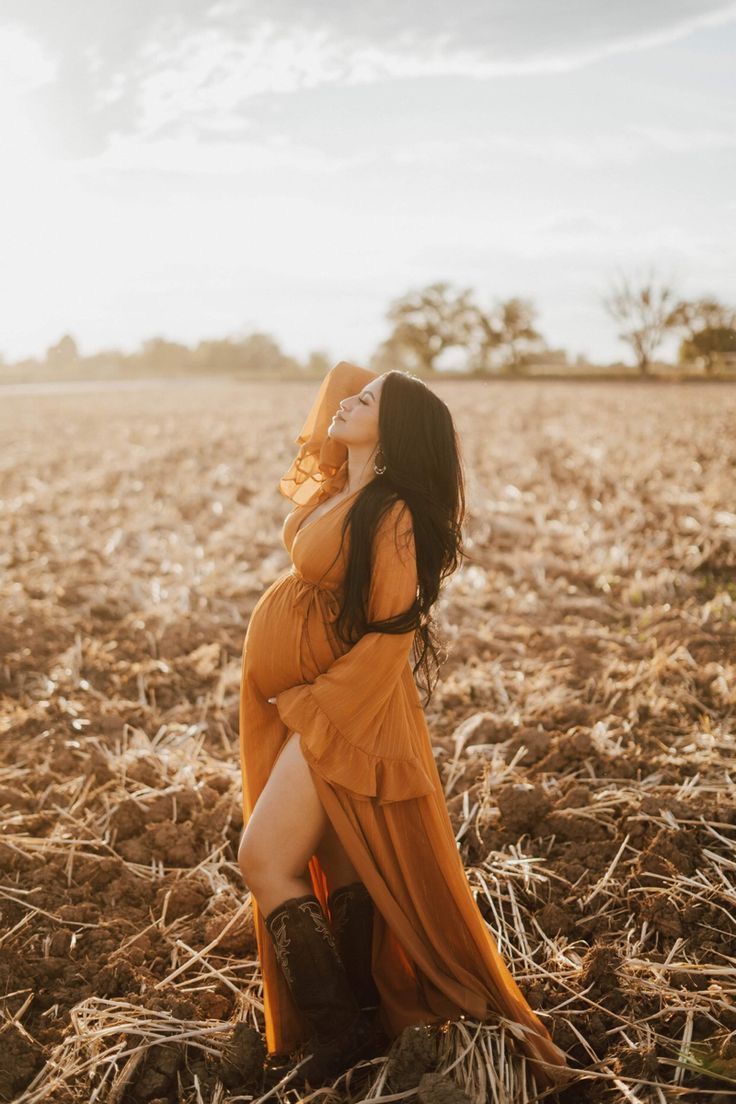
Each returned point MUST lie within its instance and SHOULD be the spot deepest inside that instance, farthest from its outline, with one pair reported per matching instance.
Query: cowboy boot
(351, 908)
(310, 962)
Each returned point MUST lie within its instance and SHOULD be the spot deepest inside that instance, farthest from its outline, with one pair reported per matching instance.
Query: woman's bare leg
(284, 829)
(289, 825)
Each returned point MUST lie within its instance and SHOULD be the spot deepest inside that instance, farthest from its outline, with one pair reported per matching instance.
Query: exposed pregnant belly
(289, 639)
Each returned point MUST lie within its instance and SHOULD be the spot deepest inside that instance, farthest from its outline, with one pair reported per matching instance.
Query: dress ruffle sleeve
(356, 718)
(320, 464)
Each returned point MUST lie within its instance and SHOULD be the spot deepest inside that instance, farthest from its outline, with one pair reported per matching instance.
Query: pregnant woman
(365, 921)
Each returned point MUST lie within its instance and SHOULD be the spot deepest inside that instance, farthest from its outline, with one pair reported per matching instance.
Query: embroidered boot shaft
(309, 959)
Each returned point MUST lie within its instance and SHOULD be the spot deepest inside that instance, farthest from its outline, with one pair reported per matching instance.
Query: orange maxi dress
(364, 735)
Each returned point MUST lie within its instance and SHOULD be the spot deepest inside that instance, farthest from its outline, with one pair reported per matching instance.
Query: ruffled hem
(315, 472)
(345, 764)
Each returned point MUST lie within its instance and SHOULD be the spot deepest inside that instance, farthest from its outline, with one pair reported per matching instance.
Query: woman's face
(356, 419)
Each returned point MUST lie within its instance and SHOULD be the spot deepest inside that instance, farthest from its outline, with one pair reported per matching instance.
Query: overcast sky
(190, 170)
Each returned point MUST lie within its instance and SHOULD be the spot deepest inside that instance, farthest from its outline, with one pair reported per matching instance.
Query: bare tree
(644, 314)
(428, 321)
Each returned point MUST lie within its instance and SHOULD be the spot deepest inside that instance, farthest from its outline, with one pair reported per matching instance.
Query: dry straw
(583, 730)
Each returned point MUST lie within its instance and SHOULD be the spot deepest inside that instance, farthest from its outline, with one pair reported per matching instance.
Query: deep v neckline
(301, 527)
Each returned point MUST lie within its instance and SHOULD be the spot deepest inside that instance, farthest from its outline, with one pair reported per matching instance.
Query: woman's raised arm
(320, 457)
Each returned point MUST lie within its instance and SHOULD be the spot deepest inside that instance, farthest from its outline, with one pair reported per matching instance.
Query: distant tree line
(647, 311)
(434, 329)
(256, 354)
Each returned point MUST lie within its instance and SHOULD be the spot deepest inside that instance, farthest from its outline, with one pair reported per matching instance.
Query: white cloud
(118, 71)
(212, 75)
(186, 168)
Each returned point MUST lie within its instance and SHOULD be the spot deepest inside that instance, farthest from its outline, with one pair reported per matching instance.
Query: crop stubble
(583, 723)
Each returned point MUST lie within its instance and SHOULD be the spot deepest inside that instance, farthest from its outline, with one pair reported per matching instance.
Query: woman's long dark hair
(421, 452)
